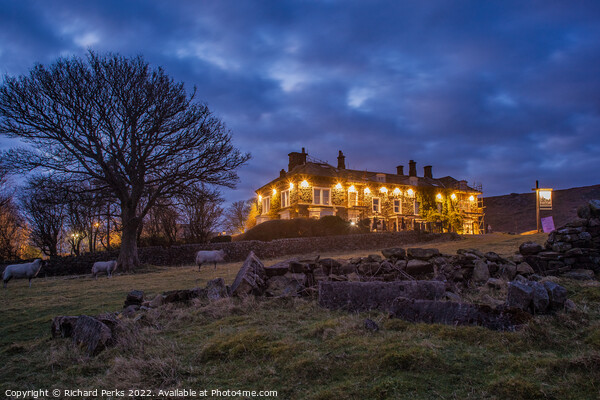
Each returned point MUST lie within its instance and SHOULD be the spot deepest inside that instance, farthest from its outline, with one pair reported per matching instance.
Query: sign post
(543, 202)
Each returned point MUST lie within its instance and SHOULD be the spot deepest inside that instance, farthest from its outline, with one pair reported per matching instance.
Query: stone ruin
(416, 284)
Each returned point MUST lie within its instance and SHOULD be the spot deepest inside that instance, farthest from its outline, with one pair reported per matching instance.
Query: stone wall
(238, 251)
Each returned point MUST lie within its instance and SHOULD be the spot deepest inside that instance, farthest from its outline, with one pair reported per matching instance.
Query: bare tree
(12, 225)
(161, 224)
(201, 211)
(121, 125)
(44, 203)
(236, 215)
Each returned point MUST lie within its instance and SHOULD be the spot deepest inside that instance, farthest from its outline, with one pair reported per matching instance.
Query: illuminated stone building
(314, 189)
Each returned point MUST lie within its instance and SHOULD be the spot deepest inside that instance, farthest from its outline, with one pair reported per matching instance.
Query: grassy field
(293, 346)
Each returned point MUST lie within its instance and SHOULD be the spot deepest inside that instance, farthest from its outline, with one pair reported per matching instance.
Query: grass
(294, 346)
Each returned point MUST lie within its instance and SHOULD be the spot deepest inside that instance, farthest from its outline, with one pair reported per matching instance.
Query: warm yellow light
(291, 185)
(274, 192)
(338, 186)
(259, 198)
(352, 223)
(439, 196)
(396, 192)
(453, 196)
(546, 194)
(383, 190)
(410, 192)
(367, 190)
(472, 198)
(352, 189)
(304, 184)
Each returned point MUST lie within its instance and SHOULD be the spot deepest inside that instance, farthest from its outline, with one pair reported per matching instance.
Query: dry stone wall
(238, 251)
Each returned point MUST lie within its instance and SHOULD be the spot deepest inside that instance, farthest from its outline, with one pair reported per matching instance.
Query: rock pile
(573, 249)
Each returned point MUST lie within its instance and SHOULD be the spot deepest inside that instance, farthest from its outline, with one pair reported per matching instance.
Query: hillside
(515, 212)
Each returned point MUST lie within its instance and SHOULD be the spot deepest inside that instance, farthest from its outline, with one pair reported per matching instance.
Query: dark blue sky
(497, 92)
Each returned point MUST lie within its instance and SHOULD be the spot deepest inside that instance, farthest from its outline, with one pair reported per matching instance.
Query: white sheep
(29, 270)
(207, 256)
(104, 266)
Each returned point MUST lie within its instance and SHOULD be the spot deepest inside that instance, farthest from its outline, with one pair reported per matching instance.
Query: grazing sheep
(207, 256)
(29, 270)
(104, 266)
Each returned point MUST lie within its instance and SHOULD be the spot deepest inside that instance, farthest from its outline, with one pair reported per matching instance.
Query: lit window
(439, 197)
(396, 192)
(376, 205)
(410, 192)
(285, 198)
(352, 198)
(383, 190)
(321, 196)
(338, 186)
(397, 207)
(304, 184)
(367, 190)
(352, 189)
(453, 197)
(266, 204)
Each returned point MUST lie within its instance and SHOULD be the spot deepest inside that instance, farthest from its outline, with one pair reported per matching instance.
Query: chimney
(341, 160)
(427, 172)
(296, 159)
(282, 173)
(400, 170)
(412, 168)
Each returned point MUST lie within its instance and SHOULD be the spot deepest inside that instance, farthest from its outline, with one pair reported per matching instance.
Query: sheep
(29, 270)
(207, 256)
(104, 266)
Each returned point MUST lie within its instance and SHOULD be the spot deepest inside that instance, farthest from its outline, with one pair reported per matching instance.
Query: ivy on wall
(446, 211)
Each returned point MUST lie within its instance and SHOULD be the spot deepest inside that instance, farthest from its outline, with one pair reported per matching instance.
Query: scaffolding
(480, 207)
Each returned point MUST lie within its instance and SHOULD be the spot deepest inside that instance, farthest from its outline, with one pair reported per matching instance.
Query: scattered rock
(519, 295)
(179, 296)
(250, 278)
(481, 273)
(63, 326)
(394, 253)
(364, 296)
(281, 268)
(216, 289)
(541, 300)
(525, 269)
(496, 283)
(580, 274)
(453, 297)
(371, 325)
(418, 267)
(285, 286)
(570, 306)
(91, 334)
(157, 301)
(422, 254)
(530, 248)
(453, 313)
(557, 294)
(130, 310)
(135, 297)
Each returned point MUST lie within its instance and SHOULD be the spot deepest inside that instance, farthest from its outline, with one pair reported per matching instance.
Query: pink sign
(547, 224)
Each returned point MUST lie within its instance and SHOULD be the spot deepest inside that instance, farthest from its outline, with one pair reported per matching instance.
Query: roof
(325, 170)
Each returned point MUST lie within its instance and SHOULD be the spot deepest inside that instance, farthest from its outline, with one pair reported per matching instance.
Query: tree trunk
(128, 256)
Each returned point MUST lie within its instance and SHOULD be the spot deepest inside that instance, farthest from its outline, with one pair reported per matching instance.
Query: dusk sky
(496, 92)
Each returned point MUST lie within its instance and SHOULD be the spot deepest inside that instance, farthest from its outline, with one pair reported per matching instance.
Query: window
(397, 206)
(417, 205)
(321, 196)
(285, 198)
(266, 205)
(352, 199)
(376, 205)
(380, 177)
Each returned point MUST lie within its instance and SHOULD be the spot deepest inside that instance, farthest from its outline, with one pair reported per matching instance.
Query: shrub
(221, 239)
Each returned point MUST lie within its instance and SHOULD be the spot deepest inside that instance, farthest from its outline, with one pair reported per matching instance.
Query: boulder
(541, 300)
(62, 326)
(557, 294)
(157, 301)
(375, 258)
(364, 296)
(580, 274)
(330, 266)
(135, 297)
(250, 279)
(495, 283)
(284, 286)
(594, 207)
(507, 271)
(179, 296)
(417, 267)
(454, 313)
(281, 268)
(91, 334)
(216, 289)
(481, 273)
(520, 295)
(422, 254)
(524, 269)
(130, 310)
(394, 253)
(493, 257)
(530, 248)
